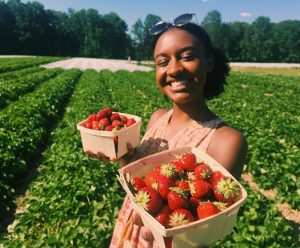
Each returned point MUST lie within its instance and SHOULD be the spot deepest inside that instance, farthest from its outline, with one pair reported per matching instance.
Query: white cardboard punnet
(196, 234)
(102, 141)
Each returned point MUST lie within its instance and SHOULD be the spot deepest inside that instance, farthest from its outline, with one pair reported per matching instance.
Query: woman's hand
(125, 159)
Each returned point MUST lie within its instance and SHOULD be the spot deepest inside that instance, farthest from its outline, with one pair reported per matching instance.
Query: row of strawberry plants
(265, 109)
(74, 200)
(24, 129)
(13, 89)
(11, 64)
(19, 73)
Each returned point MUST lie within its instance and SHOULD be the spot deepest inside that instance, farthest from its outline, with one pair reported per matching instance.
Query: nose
(174, 68)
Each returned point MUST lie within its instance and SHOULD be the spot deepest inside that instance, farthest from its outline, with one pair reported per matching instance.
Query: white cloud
(245, 14)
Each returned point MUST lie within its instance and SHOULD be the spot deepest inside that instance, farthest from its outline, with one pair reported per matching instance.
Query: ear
(210, 63)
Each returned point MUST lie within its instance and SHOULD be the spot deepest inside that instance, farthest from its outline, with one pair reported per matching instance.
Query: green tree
(212, 23)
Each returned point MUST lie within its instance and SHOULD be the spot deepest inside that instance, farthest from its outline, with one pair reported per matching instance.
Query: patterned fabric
(197, 134)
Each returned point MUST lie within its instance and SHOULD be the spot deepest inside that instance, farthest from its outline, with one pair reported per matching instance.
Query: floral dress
(197, 134)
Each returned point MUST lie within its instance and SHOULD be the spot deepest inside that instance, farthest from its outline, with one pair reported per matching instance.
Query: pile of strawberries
(107, 120)
(182, 191)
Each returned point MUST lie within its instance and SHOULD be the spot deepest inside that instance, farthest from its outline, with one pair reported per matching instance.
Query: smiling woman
(188, 71)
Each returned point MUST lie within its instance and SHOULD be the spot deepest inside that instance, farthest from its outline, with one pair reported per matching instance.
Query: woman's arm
(127, 158)
(229, 147)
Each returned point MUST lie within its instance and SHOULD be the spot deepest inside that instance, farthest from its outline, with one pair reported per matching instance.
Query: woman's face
(181, 66)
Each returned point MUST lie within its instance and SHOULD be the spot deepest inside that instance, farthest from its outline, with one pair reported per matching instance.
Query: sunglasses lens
(158, 28)
(183, 19)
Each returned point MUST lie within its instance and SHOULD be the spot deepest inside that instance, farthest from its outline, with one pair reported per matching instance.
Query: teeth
(178, 83)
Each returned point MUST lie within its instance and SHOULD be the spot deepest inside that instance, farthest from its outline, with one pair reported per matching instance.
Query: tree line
(29, 28)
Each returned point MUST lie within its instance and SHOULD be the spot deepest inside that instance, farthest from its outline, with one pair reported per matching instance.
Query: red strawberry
(226, 190)
(137, 183)
(199, 188)
(117, 123)
(189, 161)
(215, 176)
(115, 116)
(105, 112)
(95, 125)
(163, 216)
(163, 184)
(148, 199)
(124, 119)
(177, 198)
(178, 165)
(206, 209)
(104, 122)
(91, 117)
(168, 170)
(203, 171)
(180, 217)
(151, 177)
(88, 124)
(184, 185)
(108, 128)
(130, 122)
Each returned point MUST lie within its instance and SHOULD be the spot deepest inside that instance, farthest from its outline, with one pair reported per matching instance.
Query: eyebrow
(178, 52)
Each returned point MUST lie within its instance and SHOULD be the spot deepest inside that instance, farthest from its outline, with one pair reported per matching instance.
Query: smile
(179, 85)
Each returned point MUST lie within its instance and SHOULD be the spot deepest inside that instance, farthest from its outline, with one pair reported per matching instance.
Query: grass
(271, 71)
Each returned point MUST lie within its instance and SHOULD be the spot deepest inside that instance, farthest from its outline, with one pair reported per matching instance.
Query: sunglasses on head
(161, 26)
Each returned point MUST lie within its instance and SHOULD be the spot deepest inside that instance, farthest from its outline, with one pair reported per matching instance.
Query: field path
(97, 64)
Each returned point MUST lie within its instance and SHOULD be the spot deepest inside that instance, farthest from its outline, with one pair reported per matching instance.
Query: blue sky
(231, 10)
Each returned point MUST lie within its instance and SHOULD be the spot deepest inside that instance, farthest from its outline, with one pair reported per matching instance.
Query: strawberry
(130, 122)
(108, 128)
(178, 165)
(199, 188)
(105, 112)
(95, 125)
(117, 123)
(163, 216)
(215, 176)
(184, 185)
(151, 176)
(104, 122)
(191, 176)
(91, 117)
(177, 198)
(163, 184)
(226, 190)
(168, 170)
(206, 209)
(115, 116)
(180, 217)
(203, 171)
(88, 124)
(124, 119)
(148, 199)
(189, 161)
(137, 183)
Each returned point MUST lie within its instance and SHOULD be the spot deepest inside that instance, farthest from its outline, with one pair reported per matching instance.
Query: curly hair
(216, 79)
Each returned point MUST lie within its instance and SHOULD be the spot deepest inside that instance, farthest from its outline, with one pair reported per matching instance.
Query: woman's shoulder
(229, 147)
(226, 136)
(156, 115)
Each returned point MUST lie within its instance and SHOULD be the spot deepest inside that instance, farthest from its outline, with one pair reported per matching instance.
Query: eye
(187, 56)
(162, 62)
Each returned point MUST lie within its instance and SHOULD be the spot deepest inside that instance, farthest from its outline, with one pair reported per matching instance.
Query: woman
(188, 71)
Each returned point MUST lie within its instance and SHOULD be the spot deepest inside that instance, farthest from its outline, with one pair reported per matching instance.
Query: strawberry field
(53, 195)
